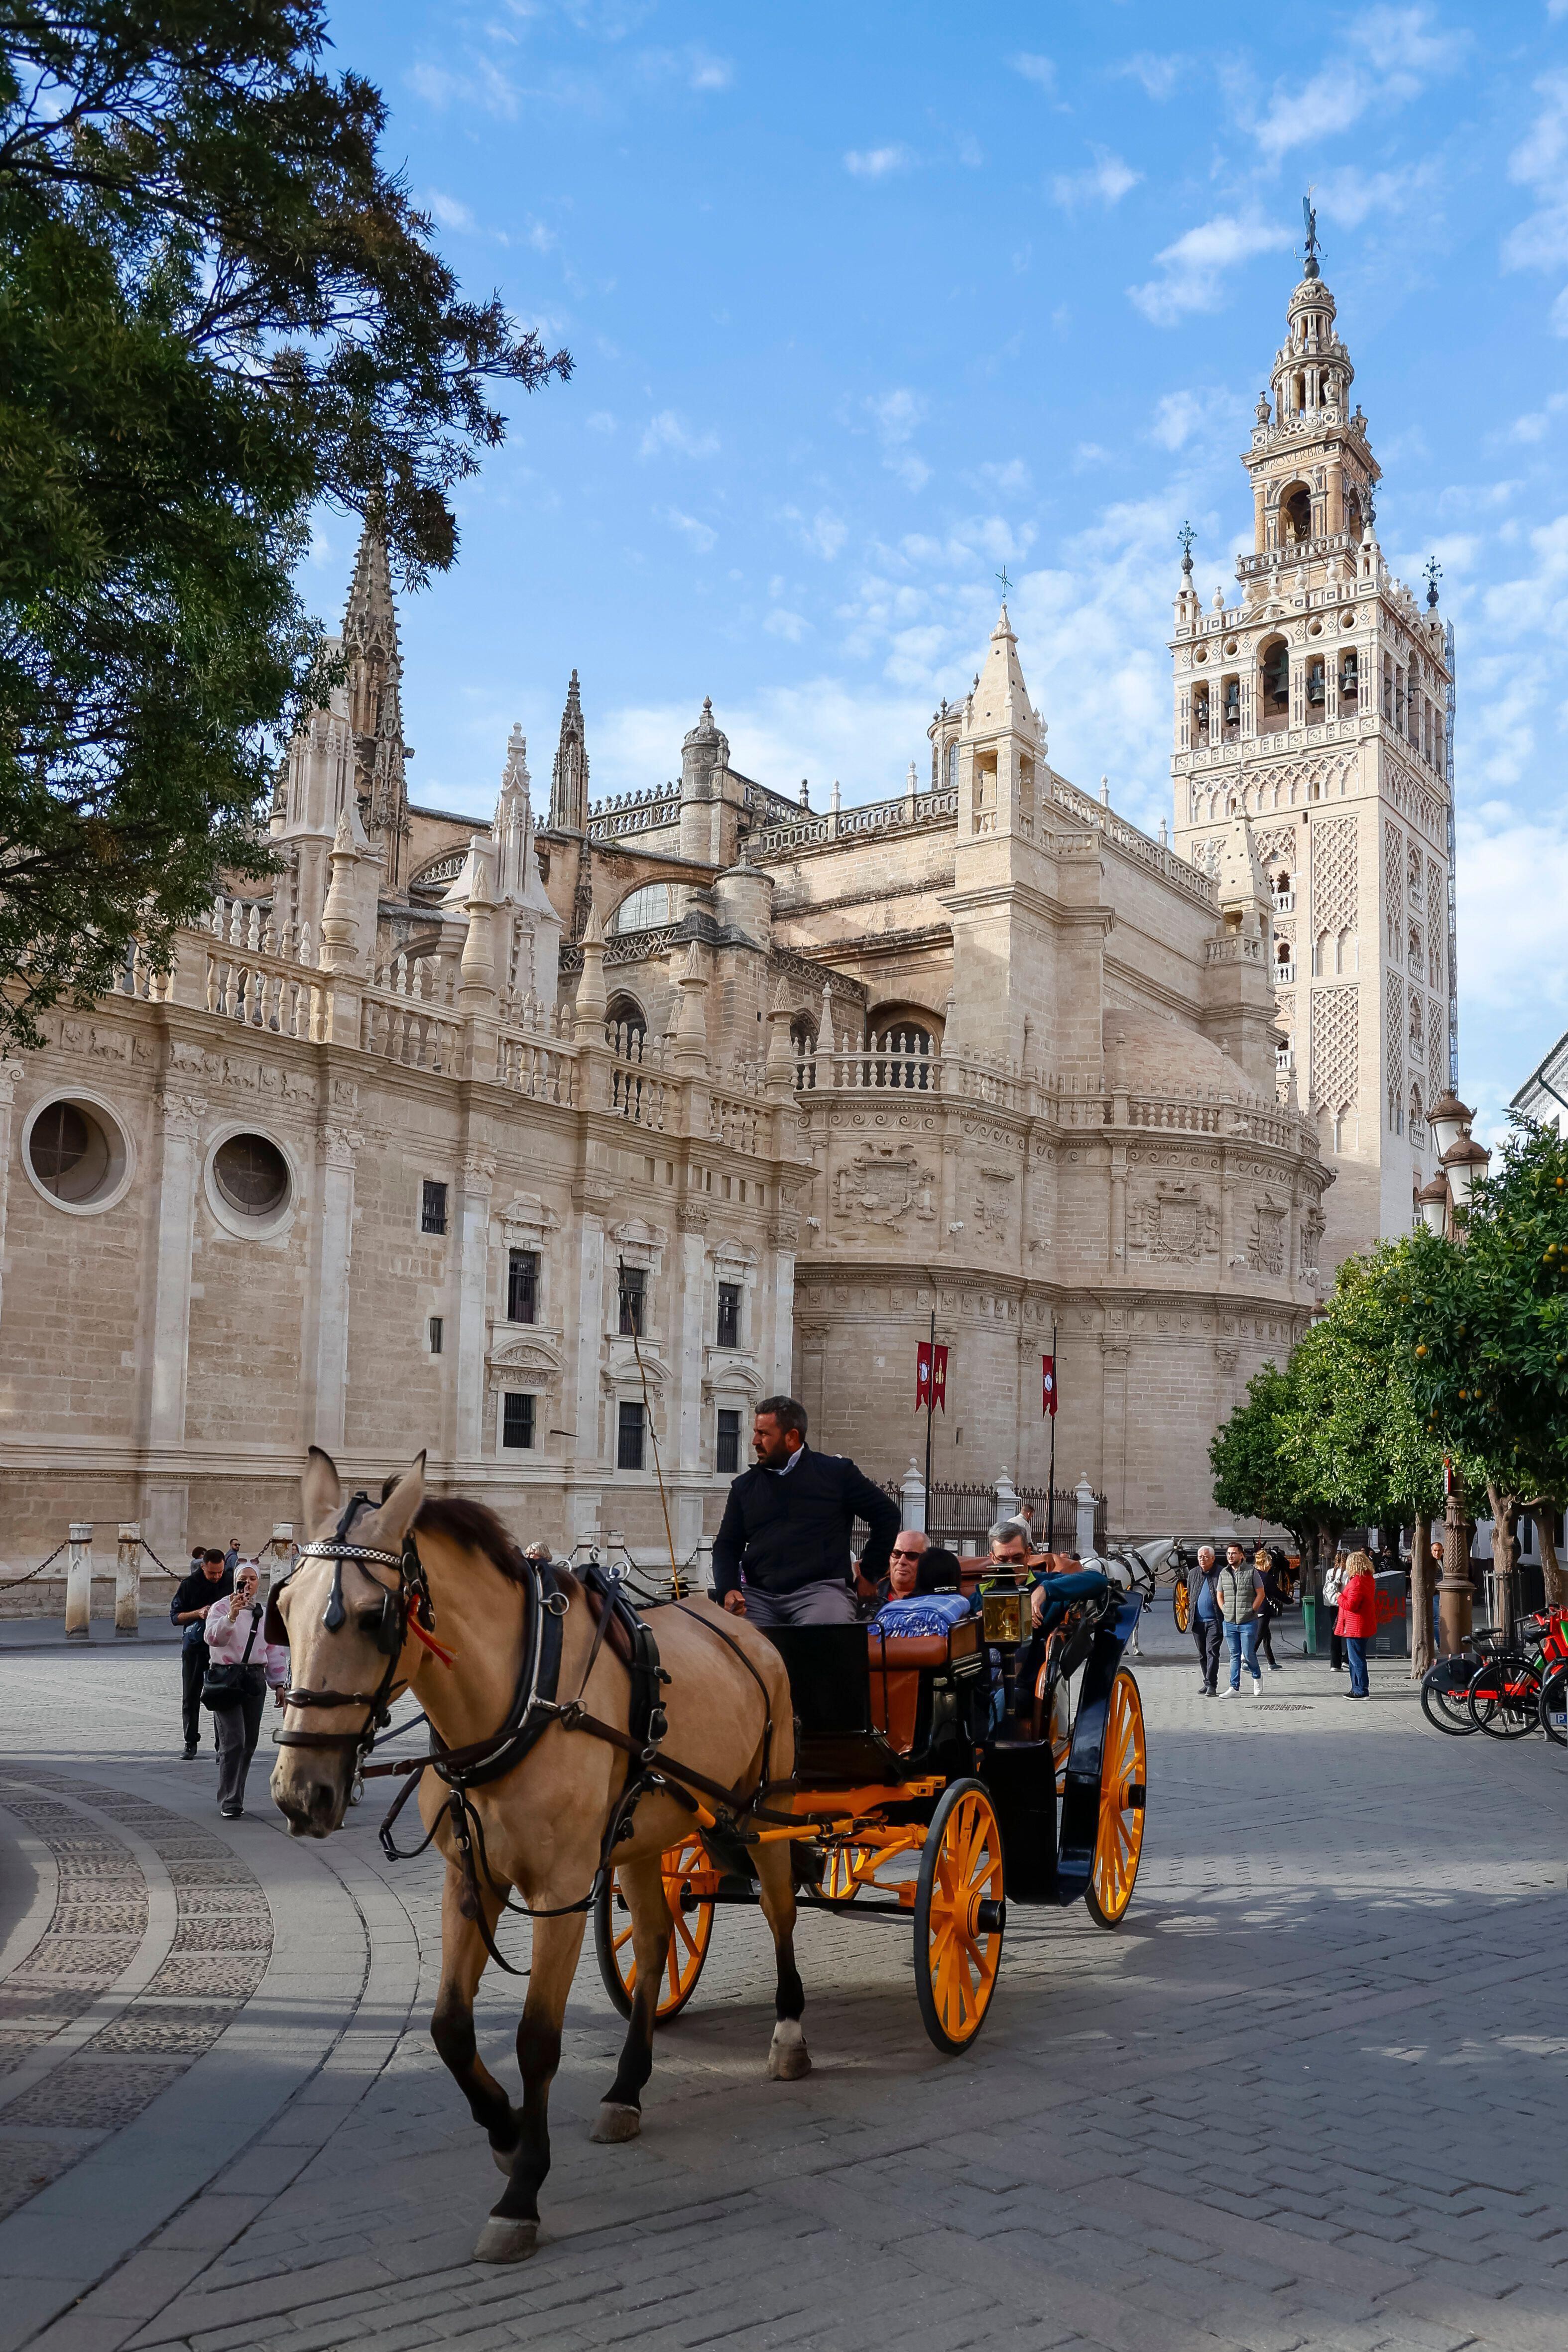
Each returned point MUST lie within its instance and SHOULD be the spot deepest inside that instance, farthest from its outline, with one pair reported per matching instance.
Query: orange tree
(1481, 1327)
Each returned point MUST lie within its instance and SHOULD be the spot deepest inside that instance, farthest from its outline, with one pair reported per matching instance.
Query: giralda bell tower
(1320, 705)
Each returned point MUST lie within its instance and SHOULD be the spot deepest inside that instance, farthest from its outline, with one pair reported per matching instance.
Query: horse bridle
(406, 1607)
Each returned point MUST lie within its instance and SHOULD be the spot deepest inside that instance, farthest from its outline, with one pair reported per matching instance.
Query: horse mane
(476, 1529)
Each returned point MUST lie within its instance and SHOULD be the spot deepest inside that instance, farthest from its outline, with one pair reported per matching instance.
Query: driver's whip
(676, 1591)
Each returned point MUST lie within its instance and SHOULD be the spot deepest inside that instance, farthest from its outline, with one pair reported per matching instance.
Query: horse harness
(407, 1609)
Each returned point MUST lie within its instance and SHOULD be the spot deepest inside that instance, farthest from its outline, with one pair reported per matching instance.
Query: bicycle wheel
(1504, 1696)
(1553, 1703)
(1444, 1697)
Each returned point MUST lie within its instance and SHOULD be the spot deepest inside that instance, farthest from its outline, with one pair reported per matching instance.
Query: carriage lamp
(1002, 1618)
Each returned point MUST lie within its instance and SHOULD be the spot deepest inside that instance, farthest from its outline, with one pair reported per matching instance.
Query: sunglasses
(899, 1553)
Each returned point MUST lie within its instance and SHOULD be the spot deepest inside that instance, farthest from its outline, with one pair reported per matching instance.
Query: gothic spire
(375, 710)
(569, 775)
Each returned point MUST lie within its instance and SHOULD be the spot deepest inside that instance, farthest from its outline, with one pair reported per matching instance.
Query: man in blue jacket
(787, 1524)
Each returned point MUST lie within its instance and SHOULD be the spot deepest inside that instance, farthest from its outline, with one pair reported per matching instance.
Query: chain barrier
(13, 1581)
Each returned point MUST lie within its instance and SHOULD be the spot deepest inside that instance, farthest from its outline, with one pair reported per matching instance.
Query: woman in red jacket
(1357, 1620)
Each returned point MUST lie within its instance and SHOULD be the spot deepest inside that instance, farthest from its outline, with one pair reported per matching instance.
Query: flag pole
(931, 1407)
(1051, 1473)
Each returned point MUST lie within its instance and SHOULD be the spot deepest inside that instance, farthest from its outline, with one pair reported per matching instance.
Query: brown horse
(543, 1821)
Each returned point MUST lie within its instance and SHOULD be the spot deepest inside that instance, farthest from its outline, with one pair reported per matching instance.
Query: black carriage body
(840, 1713)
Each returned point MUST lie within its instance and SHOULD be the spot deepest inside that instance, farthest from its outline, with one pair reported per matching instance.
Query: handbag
(225, 1685)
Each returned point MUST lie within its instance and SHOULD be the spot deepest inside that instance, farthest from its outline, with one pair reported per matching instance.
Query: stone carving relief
(1312, 1225)
(1174, 1225)
(886, 1185)
(992, 1203)
(525, 1364)
(1265, 1241)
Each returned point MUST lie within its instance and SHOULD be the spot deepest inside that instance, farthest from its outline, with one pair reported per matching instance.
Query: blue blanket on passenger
(924, 1613)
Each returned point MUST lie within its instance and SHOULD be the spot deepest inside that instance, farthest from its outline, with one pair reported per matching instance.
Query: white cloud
(1181, 415)
(1193, 270)
(824, 533)
(1159, 75)
(446, 211)
(601, 421)
(700, 536)
(1106, 181)
(1037, 69)
(1540, 242)
(1537, 424)
(791, 626)
(896, 415)
(1388, 58)
(667, 431)
(1011, 480)
(877, 163)
(709, 72)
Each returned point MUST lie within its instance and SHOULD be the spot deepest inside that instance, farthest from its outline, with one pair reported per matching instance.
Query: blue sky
(868, 301)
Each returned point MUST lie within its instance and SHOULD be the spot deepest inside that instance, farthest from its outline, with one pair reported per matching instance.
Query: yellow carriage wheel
(1123, 1787)
(838, 1882)
(960, 1915)
(689, 1882)
(1181, 1602)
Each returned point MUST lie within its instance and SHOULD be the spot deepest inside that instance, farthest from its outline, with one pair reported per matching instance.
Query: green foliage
(217, 310)
(1482, 1324)
(1255, 1474)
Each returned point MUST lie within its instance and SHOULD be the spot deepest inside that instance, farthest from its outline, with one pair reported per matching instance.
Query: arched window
(907, 1047)
(953, 766)
(1350, 680)
(625, 1027)
(1200, 714)
(644, 909)
(1416, 1022)
(1274, 683)
(1316, 688)
(1296, 517)
(1414, 949)
(1352, 513)
(1416, 1136)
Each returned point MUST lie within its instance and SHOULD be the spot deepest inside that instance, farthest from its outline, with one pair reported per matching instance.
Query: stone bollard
(128, 1581)
(78, 1581)
(1083, 1495)
(1007, 1495)
(912, 1499)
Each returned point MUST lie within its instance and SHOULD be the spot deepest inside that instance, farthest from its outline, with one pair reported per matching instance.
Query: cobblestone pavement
(1311, 2095)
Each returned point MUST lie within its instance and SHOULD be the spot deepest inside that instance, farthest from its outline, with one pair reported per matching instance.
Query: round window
(70, 1153)
(252, 1175)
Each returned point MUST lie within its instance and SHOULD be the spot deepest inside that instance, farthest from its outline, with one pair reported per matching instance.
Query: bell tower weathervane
(1310, 254)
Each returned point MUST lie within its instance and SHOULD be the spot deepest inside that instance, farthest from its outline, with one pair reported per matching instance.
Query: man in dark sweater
(209, 1580)
(787, 1524)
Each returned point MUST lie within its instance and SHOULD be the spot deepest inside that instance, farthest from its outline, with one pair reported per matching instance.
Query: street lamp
(1462, 1163)
(1448, 1120)
(1433, 1202)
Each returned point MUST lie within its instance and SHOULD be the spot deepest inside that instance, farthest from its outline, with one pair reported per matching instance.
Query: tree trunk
(1423, 1585)
(1505, 1557)
(1543, 1511)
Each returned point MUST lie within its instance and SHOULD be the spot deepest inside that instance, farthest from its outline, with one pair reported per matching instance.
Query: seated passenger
(903, 1562)
(1056, 1589)
(936, 1603)
(1012, 1552)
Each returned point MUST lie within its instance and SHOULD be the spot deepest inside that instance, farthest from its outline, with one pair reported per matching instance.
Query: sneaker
(1274, 1666)
(190, 1754)
(231, 1813)
(1227, 1692)
(1256, 1685)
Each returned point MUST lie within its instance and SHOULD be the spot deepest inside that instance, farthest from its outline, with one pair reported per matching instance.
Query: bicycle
(1504, 1695)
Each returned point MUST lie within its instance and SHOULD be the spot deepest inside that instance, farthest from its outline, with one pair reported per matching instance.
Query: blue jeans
(1355, 1651)
(1241, 1641)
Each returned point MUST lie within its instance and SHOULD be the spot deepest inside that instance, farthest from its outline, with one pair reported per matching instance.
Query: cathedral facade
(550, 1147)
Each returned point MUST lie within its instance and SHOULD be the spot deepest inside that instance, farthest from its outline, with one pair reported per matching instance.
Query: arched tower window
(642, 910)
(1274, 686)
(1353, 512)
(1296, 515)
(1200, 729)
(1350, 680)
(953, 766)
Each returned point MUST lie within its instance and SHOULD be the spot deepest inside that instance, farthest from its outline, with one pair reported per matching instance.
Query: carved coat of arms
(1176, 1225)
(885, 1185)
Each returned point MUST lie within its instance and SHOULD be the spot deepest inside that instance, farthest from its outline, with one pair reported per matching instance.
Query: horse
(456, 1624)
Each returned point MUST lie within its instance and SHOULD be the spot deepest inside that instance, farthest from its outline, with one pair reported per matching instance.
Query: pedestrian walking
(205, 1580)
(231, 1556)
(1266, 1563)
(1333, 1584)
(241, 1662)
(782, 1553)
(1208, 1633)
(1357, 1620)
(1240, 1600)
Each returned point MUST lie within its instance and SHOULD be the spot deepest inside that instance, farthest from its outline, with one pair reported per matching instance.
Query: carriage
(940, 1777)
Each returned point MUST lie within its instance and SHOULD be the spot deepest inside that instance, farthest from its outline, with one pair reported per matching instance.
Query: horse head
(345, 1621)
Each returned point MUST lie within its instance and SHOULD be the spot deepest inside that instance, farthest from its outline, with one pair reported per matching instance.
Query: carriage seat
(901, 1666)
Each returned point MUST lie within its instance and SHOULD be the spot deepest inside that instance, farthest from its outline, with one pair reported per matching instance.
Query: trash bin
(1312, 1608)
(1392, 1639)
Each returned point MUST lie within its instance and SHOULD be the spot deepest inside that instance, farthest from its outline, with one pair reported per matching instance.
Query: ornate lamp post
(1443, 1204)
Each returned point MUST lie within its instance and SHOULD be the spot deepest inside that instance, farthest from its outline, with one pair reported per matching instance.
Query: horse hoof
(788, 2058)
(506, 2241)
(615, 2124)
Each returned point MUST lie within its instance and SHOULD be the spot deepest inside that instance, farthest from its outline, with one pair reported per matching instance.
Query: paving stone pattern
(1309, 2095)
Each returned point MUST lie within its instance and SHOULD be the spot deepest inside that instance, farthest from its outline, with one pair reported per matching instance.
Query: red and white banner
(939, 1377)
(1047, 1386)
(930, 1377)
